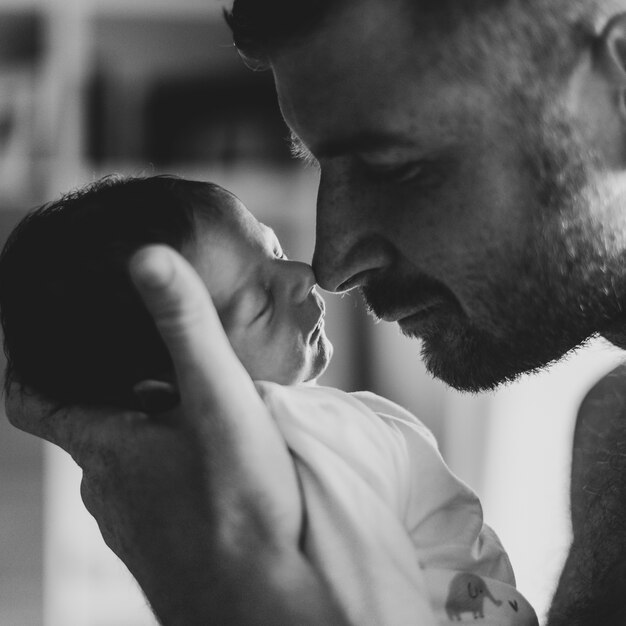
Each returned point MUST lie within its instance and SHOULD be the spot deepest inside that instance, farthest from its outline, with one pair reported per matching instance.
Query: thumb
(209, 375)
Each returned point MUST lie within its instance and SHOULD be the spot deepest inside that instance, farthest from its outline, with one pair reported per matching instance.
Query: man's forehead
(499, 40)
(420, 118)
(370, 36)
(367, 71)
(365, 25)
(429, 24)
(336, 59)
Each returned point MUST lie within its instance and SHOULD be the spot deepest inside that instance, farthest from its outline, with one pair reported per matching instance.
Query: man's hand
(201, 503)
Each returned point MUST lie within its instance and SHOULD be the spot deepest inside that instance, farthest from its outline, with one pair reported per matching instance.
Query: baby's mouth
(319, 301)
(317, 329)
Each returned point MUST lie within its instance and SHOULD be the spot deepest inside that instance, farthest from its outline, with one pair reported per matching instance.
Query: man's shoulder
(599, 442)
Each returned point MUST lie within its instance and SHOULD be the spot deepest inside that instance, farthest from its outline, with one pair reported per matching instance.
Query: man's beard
(564, 288)
(529, 326)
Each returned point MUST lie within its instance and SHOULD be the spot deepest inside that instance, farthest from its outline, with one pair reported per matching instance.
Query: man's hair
(259, 26)
(75, 329)
(548, 34)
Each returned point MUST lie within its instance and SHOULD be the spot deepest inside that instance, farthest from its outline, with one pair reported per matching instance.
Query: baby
(397, 538)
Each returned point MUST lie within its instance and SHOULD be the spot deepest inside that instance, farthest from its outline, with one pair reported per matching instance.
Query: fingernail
(151, 267)
(154, 397)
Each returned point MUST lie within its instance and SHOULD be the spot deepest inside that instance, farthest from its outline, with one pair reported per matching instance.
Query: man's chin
(472, 377)
(475, 362)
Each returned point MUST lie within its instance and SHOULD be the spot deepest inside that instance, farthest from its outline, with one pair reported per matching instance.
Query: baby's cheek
(247, 352)
(288, 362)
(262, 362)
(278, 358)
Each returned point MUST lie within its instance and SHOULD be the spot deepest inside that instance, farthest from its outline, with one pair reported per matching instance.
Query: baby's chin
(321, 359)
(311, 368)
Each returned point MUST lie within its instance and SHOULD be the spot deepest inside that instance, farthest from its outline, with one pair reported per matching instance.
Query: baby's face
(268, 305)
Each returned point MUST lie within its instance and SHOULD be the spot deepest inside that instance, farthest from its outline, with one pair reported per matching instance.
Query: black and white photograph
(313, 313)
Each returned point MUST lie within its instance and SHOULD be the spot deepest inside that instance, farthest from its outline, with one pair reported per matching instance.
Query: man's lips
(358, 280)
(411, 313)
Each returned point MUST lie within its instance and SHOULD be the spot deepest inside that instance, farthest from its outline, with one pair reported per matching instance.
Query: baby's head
(74, 327)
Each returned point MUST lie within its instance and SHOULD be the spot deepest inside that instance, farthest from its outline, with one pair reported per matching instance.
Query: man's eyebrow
(366, 141)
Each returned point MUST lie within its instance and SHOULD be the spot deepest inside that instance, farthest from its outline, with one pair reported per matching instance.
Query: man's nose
(350, 243)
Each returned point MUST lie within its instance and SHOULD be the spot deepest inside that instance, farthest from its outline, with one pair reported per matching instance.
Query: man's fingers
(211, 378)
(208, 372)
(70, 428)
(15, 405)
(34, 415)
(180, 305)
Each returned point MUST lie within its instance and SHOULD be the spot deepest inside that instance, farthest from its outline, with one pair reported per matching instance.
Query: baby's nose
(302, 280)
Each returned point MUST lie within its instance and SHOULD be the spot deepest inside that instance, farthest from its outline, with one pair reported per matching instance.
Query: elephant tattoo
(466, 594)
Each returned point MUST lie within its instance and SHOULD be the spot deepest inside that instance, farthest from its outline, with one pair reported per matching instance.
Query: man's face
(455, 214)
(268, 305)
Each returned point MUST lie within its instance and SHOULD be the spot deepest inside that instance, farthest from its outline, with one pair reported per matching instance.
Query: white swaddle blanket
(388, 526)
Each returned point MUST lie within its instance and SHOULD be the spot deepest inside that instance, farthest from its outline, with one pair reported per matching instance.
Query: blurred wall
(21, 513)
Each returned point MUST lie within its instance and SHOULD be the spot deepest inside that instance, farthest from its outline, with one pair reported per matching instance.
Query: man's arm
(200, 503)
(592, 588)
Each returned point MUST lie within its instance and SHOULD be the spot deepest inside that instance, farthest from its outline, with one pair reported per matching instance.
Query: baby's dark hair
(75, 329)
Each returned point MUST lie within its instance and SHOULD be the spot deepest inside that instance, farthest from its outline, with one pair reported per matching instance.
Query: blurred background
(89, 87)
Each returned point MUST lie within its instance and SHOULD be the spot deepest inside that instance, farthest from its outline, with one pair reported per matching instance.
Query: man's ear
(156, 396)
(598, 94)
(610, 54)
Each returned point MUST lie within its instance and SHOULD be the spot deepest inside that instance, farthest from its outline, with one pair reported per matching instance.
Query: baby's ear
(156, 396)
